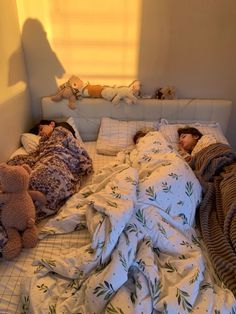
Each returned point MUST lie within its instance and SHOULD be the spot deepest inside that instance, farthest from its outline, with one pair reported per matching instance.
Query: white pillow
(115, 135)
(210, 128)
(71, 121)
(19, 151)
(30, 142)
(204, 141)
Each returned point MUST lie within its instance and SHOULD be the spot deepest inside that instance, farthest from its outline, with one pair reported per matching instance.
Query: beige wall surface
(186, 43)
(15, 108)
(191, 44)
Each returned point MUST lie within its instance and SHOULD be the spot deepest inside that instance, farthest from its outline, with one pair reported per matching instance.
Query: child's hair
(138, 135)
(141, 133)
(35, 128)
(189, 130)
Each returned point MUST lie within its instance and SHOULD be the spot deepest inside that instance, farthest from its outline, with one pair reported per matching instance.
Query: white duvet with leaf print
(164, 179)
(144, 256)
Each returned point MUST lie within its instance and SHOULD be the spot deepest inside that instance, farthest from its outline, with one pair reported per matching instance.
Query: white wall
(190, 44)
(15, 107)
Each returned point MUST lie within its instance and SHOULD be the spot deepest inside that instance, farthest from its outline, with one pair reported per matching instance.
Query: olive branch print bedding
(144, 255)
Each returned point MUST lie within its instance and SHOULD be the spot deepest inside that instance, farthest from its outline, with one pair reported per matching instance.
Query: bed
(125, 243)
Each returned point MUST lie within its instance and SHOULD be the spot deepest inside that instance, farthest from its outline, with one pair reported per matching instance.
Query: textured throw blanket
(144, 256)
(215, 167)
(57, 169)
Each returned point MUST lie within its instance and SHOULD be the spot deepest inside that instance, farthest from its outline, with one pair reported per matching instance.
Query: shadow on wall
(42, 64)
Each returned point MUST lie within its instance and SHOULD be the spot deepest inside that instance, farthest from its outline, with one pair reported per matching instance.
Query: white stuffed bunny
(127, 93)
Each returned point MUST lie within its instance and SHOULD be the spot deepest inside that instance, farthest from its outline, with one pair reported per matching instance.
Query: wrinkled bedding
(215, 166)
(58, 166)
(144, 256)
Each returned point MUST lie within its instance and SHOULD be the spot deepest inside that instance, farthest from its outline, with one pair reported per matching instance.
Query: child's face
(45, 130)
(188, 141)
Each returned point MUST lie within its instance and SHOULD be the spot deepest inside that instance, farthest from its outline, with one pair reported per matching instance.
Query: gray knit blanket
(215, 167)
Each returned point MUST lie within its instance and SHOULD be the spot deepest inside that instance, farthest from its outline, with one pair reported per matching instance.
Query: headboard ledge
(89, 111)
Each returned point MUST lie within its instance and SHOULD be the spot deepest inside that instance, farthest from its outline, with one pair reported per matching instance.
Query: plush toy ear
(27, 168)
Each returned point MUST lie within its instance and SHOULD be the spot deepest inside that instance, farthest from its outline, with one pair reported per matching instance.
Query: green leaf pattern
(166, 188)
(49, 263)
(43, 288)
(111, 309)
(155, 289)
(52, 309)
(131, 180)
(195, 277)
(112, 204)
(104, 289)
(170, 267)
(151, 193)
(123, 261)
(141, 217)
(182, 297)
(25, 305)
(189, 188)
(114, 192)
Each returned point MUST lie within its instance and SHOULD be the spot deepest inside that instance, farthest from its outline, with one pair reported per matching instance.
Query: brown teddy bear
(70, 90)
(17, 209)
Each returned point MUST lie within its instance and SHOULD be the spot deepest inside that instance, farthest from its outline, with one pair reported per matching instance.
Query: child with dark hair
(188, 138)
(46, 127)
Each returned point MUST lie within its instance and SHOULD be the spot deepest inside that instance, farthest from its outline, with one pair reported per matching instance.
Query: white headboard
(89, 111)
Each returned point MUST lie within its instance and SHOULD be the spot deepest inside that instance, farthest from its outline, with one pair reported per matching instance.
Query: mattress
(12, 272)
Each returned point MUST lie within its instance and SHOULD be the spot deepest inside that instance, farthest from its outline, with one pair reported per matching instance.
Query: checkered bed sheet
(12, 272)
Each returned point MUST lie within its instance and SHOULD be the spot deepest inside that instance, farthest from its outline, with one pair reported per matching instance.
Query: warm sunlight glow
(96, 40)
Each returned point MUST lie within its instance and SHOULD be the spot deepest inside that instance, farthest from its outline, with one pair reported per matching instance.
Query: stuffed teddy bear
(166, 92)
(17, 209)
(75, 89)
(69, 90)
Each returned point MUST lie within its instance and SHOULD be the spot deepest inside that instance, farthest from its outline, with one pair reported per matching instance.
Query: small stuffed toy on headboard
(70, 90)
(166, 92)
(75, 89)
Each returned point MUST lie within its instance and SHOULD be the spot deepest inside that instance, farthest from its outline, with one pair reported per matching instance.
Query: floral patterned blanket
(144, 255)
(57, 169)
